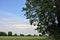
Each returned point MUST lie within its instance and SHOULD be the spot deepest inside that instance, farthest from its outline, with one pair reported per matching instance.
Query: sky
(12, 18)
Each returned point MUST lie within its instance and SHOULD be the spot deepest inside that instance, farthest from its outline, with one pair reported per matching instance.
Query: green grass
(24, 38)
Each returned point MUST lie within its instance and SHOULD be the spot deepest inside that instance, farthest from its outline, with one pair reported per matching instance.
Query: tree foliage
(29, 35)
(15, 34)
(3, 34)
(42, 13)
(21, 34)
(9, 33)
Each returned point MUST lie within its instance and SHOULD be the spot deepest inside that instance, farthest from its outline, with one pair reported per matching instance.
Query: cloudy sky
(12, 18)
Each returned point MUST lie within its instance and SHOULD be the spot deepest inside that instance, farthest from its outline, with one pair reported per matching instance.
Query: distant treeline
(11, 34)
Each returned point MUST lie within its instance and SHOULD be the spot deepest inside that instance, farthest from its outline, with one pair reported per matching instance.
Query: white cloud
(15, 24)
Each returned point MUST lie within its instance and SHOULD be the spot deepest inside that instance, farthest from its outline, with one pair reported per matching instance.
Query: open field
(23, 38)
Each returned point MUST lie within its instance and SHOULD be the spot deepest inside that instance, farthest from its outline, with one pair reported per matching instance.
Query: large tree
(42, 13)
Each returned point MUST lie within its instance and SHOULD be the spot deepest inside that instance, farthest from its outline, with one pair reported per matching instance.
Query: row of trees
(5, 34)
(10, 34)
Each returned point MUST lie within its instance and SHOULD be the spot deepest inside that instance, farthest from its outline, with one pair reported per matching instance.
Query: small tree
(21, 34)
(9, 33)
(29, 35)
(15, 34)
(35, 35)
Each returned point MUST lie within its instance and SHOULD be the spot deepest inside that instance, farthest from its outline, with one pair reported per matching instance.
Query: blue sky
(12, 18)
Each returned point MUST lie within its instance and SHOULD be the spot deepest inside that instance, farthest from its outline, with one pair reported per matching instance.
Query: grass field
(24, 38)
